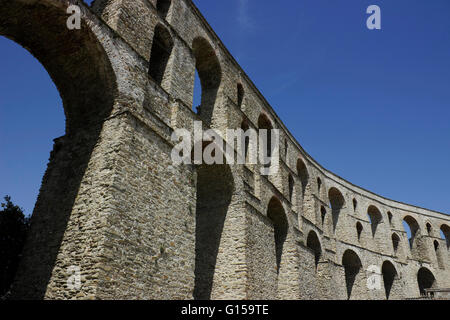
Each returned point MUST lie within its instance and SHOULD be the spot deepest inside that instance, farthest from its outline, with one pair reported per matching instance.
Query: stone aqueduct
(138, 227)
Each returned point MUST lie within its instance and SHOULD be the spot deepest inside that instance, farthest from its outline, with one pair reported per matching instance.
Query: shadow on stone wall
(214, 192)
(80, 69)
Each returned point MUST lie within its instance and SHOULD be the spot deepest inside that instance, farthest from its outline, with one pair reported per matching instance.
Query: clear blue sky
(371, 106)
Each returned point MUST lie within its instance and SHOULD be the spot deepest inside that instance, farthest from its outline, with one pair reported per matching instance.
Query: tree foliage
(13, 229)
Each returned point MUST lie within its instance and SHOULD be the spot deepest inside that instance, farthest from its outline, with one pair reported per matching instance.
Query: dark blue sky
(371, 106)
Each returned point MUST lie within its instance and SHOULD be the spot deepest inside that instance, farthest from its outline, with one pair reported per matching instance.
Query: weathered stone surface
(139, 227)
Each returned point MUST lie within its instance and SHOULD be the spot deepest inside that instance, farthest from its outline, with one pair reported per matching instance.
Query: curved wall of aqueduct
(113, 204)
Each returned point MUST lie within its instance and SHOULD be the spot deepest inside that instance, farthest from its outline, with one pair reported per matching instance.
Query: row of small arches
(352, 266)
(337, 202)
(209, 72)
(207, 67)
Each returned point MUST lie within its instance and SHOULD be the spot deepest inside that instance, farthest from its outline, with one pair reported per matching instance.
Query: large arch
(75, 60)
(80, 67)
(210, 74)
(425, 280)
(313, 243)
(215, 187)
(352, 267)
(389, 276)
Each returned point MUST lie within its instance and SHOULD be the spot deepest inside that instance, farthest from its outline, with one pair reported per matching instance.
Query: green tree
(13, 230)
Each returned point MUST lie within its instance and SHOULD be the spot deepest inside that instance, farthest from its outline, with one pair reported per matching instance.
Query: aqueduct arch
(337, 202)
(352, 268)
(113, 203)
(425, 280)
(161, 52)
(445, 229)
(375, 218)
(313, 243)
(210, 73)
(82, 72)
(389, 277)
(76, 61)
(275, 212)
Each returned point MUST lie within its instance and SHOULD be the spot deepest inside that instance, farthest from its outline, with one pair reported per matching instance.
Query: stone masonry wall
(140, 227)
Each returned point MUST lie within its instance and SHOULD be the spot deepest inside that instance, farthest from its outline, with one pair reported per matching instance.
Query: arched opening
(395, 242)
(37, 102)
(323, 214)
(275, 212)
(412, 230)
(240, 95)
(197, 94)
(319, 185)
(359, 229)
(389, 276)
(163, 6)
(352, 266)
(390, 217)
(61, 53)
(313, 243)
(285, 148)
(445, 234)
(302, 172)
(337, 202)
(374, 217)
(265, 124)
(438, 254)
(425, 280)
(428, 225)
(214, 191)
(291, 187)
(210, 75)
(355, 204)
(245, 127)
(161, 50)
(80, 69)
